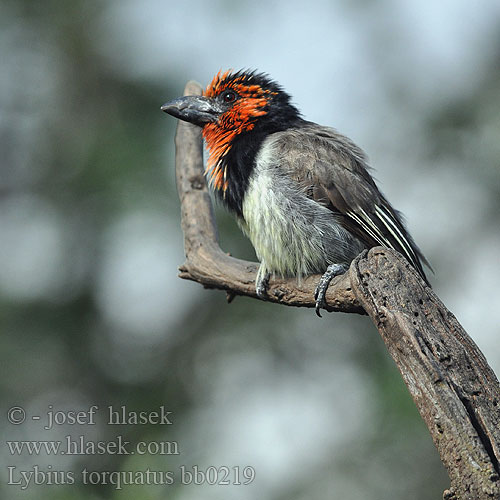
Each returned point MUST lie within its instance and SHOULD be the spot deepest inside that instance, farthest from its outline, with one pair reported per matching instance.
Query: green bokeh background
(91, 309)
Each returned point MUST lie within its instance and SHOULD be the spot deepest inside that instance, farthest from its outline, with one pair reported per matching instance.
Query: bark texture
(456, 392)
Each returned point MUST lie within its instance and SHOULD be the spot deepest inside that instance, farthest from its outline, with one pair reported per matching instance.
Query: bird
(301, 192)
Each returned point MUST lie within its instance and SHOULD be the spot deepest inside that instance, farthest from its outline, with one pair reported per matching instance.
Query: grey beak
(194, 109)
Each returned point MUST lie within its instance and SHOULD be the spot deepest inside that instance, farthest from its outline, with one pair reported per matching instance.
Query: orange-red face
(240, 98)
(241, 102)
(231, 105)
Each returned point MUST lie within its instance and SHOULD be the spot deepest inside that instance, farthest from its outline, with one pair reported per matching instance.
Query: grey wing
(334, 172)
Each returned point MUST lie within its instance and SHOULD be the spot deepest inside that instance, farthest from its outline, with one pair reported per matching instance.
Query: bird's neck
(231, 160)
(230, 164)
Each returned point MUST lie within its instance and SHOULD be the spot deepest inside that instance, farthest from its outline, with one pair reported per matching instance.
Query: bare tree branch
(456, 392)
(206, 263)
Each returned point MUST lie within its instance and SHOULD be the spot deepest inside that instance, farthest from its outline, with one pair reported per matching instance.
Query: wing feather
(334, 172)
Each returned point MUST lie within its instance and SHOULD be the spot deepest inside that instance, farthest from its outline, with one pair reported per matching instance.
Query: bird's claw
(262, 286)
(324, 282)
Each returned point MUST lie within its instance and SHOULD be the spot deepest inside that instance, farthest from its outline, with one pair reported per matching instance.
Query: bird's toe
(262, 286)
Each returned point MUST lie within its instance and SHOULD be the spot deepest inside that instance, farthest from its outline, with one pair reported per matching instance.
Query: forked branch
(456, 392)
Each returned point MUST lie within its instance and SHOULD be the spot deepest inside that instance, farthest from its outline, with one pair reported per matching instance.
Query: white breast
(292, 234)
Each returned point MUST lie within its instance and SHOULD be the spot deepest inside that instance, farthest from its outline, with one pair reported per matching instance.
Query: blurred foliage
(85, 148)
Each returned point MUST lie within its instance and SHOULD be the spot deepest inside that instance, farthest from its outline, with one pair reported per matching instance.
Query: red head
(243, 101)
(237, 111)
(234, 105)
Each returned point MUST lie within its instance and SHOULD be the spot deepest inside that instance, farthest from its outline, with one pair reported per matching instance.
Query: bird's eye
(229, 96)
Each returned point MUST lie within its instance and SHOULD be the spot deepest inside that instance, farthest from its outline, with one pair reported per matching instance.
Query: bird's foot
(324, 282)
(262, 285)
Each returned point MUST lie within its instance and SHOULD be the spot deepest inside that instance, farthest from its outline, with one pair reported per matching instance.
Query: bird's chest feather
(288, 230)
(267, 223)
